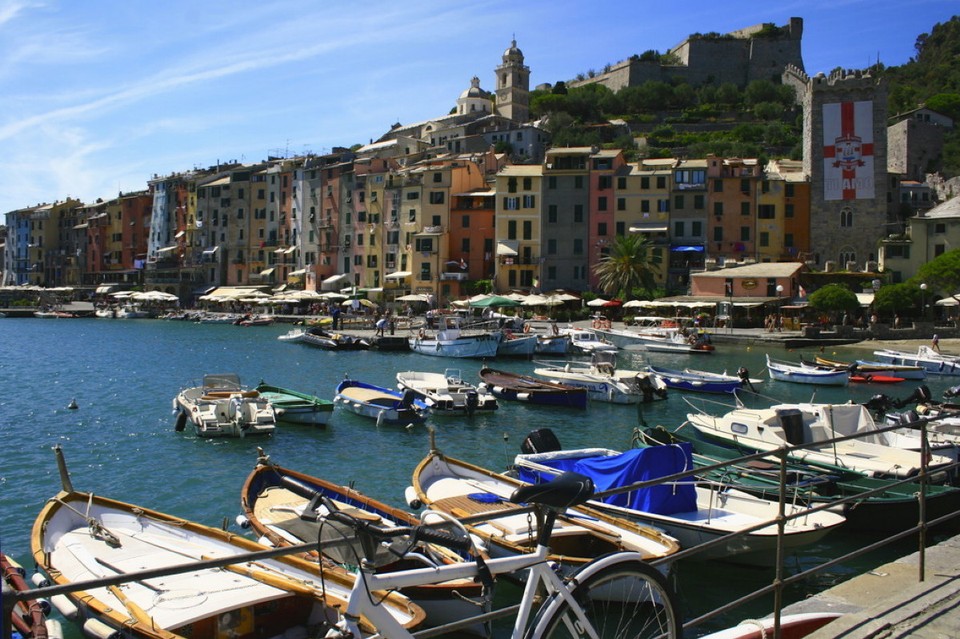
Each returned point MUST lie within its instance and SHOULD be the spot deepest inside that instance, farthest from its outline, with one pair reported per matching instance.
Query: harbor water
(120, 440)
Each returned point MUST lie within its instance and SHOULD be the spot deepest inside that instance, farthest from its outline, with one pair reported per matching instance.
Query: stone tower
(513, 86)
(845, 159)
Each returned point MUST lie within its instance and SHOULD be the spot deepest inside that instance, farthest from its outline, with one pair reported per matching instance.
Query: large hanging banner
(848, 151)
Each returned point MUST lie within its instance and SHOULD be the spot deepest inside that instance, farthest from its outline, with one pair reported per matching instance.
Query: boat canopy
(635, 465)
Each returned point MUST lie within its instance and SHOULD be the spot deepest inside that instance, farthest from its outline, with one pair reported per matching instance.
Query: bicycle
(616, 595)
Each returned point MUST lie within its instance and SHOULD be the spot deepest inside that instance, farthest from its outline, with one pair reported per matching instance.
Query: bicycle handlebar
(427, 534)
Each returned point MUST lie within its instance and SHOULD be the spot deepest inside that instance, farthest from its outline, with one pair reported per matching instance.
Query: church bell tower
(513, 86)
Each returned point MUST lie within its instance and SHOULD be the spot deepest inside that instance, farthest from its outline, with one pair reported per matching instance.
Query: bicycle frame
(361, 603)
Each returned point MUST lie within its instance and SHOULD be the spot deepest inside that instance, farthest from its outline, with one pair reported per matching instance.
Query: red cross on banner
(848, 151)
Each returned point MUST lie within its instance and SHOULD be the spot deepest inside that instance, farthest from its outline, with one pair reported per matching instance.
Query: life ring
(422, 334)
(526, 328)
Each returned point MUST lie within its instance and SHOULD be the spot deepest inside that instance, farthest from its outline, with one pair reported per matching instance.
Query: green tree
(896, 298)
(628, 265)
(835, 299)
(942, 274)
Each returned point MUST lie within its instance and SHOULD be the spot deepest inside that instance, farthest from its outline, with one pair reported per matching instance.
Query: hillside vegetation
(761, 121)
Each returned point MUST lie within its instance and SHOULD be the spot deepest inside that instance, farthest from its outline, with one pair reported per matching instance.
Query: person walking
(935, 343)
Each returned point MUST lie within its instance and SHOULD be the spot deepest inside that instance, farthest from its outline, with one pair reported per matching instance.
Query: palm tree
(628, 265)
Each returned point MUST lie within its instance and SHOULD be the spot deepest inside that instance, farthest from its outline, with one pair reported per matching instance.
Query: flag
(463, 264)
(536, 282)
(802, 291)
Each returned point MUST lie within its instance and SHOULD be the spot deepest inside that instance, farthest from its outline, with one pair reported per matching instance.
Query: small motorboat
(931, 361)
(602, 380)
(79, 537)
(452, 340)
(274, 499)
(333, 341)
(812, 427)
(293, 335)
(532, 390)
(447, 393)
(385, 405)
(294, 407)
(677, 342)
(255, 320)
(799, 374)
(222, 407)
(856, 376)
(701, 381)
(587, 342)
(691, 510)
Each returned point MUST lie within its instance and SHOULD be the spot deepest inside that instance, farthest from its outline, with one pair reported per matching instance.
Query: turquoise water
(121, 443)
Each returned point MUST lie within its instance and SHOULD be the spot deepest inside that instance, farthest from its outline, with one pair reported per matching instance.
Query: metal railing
(780, 582)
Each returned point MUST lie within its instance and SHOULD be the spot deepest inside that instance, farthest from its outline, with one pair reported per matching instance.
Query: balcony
(460, 276)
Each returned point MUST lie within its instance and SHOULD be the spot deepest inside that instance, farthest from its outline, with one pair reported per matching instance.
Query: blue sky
(97, 96)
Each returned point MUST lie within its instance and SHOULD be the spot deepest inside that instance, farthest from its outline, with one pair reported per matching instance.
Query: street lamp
(779, 291)
(923, 300)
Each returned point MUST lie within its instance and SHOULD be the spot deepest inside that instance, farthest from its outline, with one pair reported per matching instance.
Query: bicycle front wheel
(626, 600)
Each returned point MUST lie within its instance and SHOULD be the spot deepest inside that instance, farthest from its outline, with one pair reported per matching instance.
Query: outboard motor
(953, 391)
(878, 404)
(646, 388)
(473, 400)
(541, 440)
(744, 376)
(407, 399)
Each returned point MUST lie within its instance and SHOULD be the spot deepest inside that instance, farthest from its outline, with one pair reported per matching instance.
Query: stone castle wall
(740, 58)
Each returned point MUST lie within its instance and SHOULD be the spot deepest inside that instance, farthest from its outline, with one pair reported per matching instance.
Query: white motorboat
(293, 335)
(452, 341)
(587, 342)
(691, 510)
(447, 393)
(676, 342)
(814, 426)
(604, 383)
(930, 360)
(222, 407)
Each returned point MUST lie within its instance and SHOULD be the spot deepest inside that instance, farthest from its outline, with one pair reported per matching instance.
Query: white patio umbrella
(534, 300)
(553, 300)
(597, 302)
(633, 304)
(413, 297)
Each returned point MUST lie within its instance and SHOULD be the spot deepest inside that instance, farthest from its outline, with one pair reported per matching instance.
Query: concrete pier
(890, 602)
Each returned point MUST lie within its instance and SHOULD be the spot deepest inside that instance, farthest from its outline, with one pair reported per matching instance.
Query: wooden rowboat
(90, 541)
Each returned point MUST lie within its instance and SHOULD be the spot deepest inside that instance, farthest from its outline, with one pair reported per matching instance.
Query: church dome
(474, 91)
(513, 54)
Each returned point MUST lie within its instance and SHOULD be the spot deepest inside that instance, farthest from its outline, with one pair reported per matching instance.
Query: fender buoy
(556, 331)
(526, 328)
(181, 422)
(422, 334)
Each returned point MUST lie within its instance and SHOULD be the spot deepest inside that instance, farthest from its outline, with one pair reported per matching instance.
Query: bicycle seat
(568, 489)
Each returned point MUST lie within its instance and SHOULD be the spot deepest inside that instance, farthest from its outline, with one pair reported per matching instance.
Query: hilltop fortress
(760, 52)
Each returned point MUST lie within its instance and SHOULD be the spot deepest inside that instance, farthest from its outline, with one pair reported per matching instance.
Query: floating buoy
(242, 522)
(73, 405)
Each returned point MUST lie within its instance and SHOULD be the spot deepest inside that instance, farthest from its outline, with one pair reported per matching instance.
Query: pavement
(891, 602)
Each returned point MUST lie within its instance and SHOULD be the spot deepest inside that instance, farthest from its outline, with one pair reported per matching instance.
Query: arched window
(846, 218)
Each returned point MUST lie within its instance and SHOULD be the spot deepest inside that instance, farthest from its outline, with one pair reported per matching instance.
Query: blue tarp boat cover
(630, 467)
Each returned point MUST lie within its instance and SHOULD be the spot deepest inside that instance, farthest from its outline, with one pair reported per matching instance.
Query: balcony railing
(454, 276)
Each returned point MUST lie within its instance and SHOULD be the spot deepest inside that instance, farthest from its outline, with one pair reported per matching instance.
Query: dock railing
(779, 583)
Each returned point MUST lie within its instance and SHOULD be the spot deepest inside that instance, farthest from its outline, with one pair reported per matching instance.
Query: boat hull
(293, 407)
(272, 496)
(275, 595)
(471, 347)
(523, 388)
(931, 366)
(382, 404)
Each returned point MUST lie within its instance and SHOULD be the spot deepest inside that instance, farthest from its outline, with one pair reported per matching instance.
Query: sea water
(120, 441)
